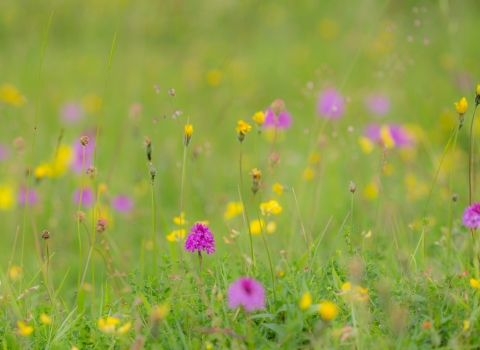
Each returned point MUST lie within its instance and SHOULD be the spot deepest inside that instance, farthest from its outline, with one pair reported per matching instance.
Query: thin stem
(450, 211)
(470, 173)
(245, 208)
(268, 252)
(351, 225)
(301, 223)
(78, 220)
(48, 263)
(154, 239)
(200, 262)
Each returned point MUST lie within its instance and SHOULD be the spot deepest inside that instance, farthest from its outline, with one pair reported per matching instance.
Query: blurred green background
(227, 60)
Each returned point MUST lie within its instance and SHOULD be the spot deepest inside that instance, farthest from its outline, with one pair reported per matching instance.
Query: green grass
(226, 61)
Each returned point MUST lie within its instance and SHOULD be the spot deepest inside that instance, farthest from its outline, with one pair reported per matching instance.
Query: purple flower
(246, 292)
(284, 120)
(378, 104)
(22, 196)
(87, 197)
(76, 163)
(71, 112)
(471, 216)
(399, 134)
(122, 203)
(330, 104)
(200, 238)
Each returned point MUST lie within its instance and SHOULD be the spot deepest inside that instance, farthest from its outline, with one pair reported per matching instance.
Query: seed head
(84, 140)
(45, 235)
(80, 216)
(102, 225)
(91, 171)
(148, 147)
(19, 144)
(352, 187)
(277, 106)
(454, 197)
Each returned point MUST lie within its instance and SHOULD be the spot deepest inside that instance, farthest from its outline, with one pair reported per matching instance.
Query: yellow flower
(308, 174)
(478, 90)
(160, 312)
(277, 188)
(214, 77)
(371, 191)
(45, 319)
(92, 103)
(243, 127)
(43, 170)
(15, 272)
(462, 106)
(328, 310)
(11, 95)
(208, 346)
(475, 283)
(314, 158)
(386, 136)
(271, 227)
(256, 174)
(347, 286)
(233, 209)
(62, 159)
(7, 198)
(179, 220)
(259, 118)
(108, 326)
(256, 226)
(306, 301)
(176, 236)
(271, 207)
(102, 188)
(365, 144)
(125, 328)
(188, 130)
(466, 325)
(24, 329)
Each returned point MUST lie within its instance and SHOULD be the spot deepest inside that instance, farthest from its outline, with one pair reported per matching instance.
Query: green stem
(245, 209)
(78, 220)
(268, 253)
(154, 239)
(470, 172)
(450, 211)
(351, 226)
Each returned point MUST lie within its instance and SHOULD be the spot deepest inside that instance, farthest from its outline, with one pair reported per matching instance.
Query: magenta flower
(76, 163)
(22, 196)
(284, 120)
(378, 104)
(330, 104)
(400, 135)
(471, 216)
(200, 238)
(87, 197)
(246, 292)
(71, 112)
(122, 203)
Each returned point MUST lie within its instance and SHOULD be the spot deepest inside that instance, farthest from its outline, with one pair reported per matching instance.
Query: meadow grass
(325, 147)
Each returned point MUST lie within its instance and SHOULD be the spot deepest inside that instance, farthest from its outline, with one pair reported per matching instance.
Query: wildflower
(78, 151)
(233, 209)
(22, 196)
(10, 95)
(471, 216)
(84, 140)
(365, 144)
(271, 227)
(45, 319)
(247, 293)
(18, 144)
(7, 198)
(390, 135)
(188, 131)
(282, 121)
(328, 310)
(256, 175)
(346, 286)
(43, 170)
(278, 107)
(259, 118)
(45, 234)
(80, 216)
(242, 129)
(109, 326)
(92, 103)
(208, 346)
(427, 325)
(179, 220)
(271, 207)
(176, 236)
(314, 158)
(378, 104)
(256, 226)
(371, 191)
(86, 196)
(386, 137)
(277, 188)
(475, 283)
(330, 104)
(308, 174)
(14, 272)
(23, 329)
(160, 312)
(71, 112)
(214, 77)
(91, 172)
(200, 239)
(147, 143)
(466, 325)
(122, 203)
(306, 301)
(102, 225)
(461, 106)
(61, 161)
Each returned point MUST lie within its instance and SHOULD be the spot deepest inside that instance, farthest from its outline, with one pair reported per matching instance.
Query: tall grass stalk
(154, 239)
(471, 179)
(450, 211)
(78, 220)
